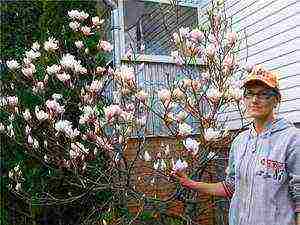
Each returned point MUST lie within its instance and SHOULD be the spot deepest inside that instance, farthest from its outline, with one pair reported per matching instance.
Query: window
(149, 24)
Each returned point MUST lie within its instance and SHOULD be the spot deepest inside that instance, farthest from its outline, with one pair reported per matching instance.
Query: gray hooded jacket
(263, 176)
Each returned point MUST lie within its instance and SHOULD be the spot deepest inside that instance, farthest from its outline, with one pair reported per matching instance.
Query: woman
(263, 174)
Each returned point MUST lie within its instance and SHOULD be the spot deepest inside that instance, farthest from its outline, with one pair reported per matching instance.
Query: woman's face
(260, 101)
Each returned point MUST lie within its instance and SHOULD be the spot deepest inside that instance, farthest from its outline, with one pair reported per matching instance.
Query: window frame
(149, 57)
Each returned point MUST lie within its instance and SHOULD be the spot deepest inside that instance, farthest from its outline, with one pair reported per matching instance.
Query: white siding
(271, 29)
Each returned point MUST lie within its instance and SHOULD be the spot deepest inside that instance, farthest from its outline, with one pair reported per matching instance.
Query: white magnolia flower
(210, 134)
(35, 46)
(54, 69)
(79, 44)
(10, 174)
(51, 44)
(2, 127)
(180, 165)
(185, 129)
(61, 125)
(18, 187)
(45, 143)
(26, 115)
(74, 14)
(3, 101)
(156, 165)
(56, 97)
(63, 77)
(184, 31)
(31, 54)
(10, 131)
(68, 61)
(12, 64)
(147, 156)
(74, 25)
(79, 69)
(40, 114)
(27, 130)
(191, 145)
(163, 164)
(214, 94)
(83, 15)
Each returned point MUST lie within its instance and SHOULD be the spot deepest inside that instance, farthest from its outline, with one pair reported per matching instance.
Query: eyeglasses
(262, 95)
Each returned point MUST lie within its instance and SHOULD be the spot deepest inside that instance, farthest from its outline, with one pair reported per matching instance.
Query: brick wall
(202, 210)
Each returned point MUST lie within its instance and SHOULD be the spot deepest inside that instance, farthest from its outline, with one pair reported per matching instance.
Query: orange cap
(260, 73)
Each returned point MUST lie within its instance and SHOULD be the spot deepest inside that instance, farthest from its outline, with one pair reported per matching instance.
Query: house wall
(270, 31)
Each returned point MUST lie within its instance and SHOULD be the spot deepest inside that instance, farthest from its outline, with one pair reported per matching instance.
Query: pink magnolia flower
(86, 30)
(54, 107)
(210, 50)
(231, 38)
(164, 95)
(112, 111)
(142, 96)
(29, 70)
(191, 145)
(96, 21)
(196, 35)
(176, 38)
(100, 70)
(228, 62)
(63, 77)
(105, 46)
(12, 100)
(179, 166)
(126, 73)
